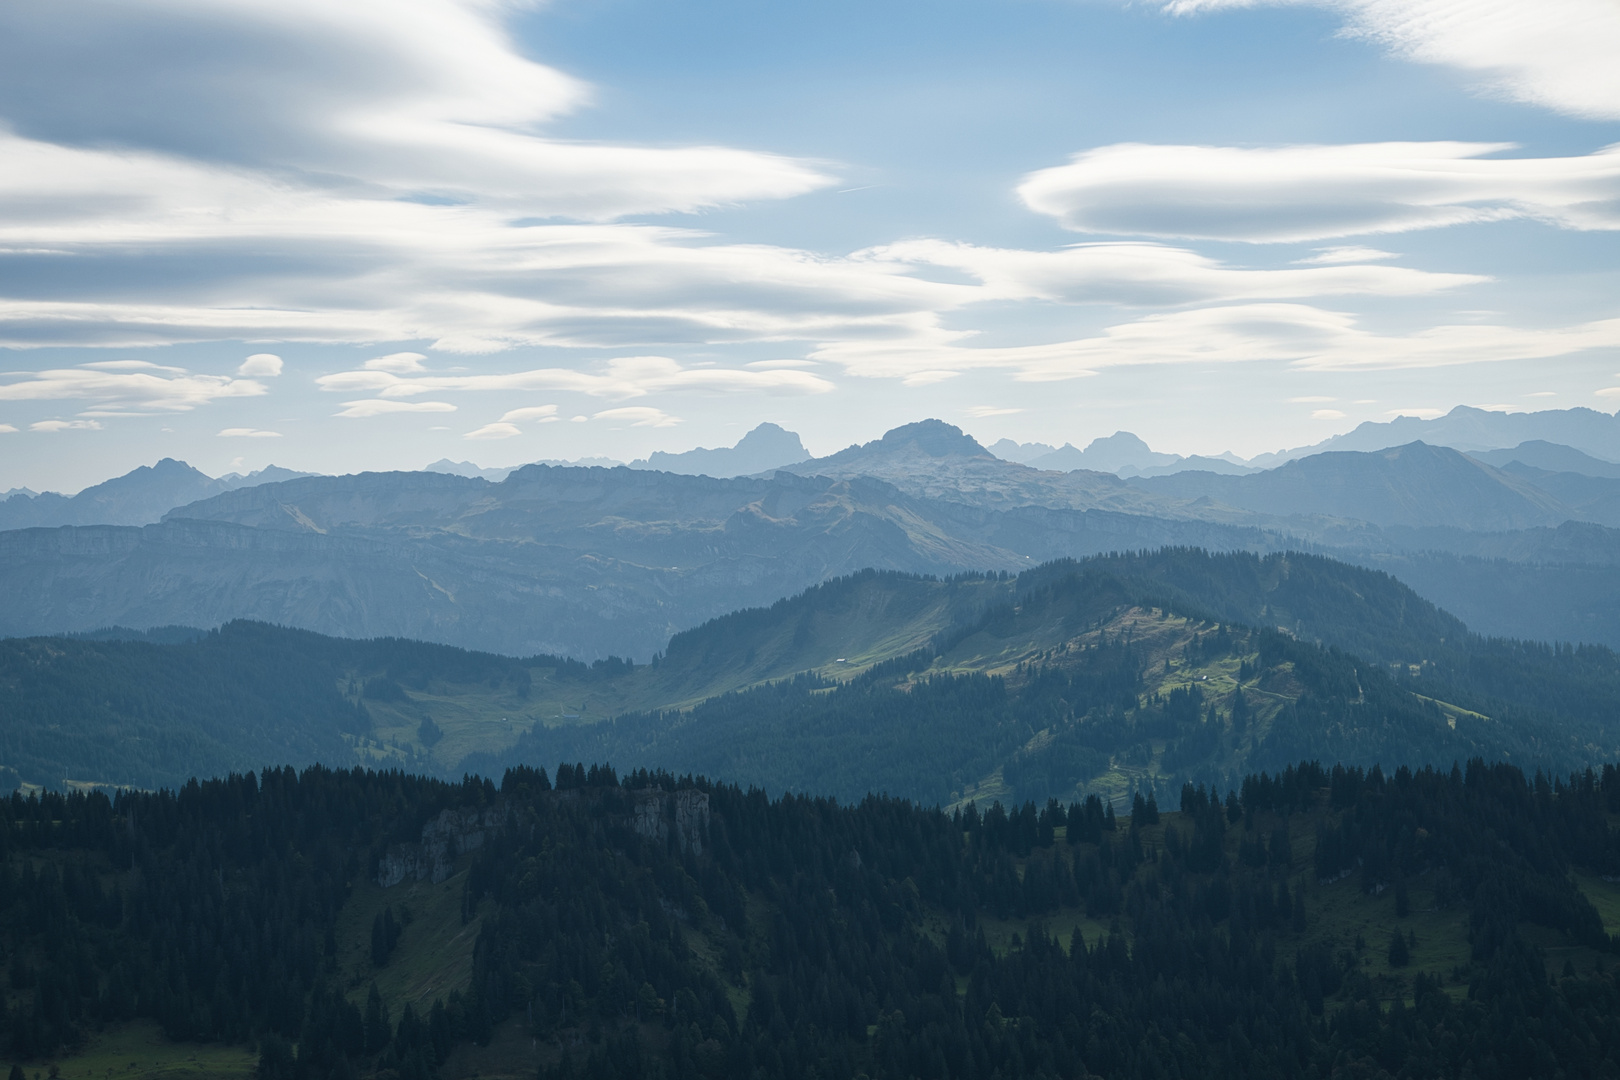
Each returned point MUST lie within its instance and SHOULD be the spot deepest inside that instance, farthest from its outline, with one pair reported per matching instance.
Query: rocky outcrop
(684, 814)
(451, 834)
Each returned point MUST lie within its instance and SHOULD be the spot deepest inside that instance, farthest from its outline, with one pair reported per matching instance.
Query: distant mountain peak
(935, 438)
(769, 446)
(172, 466)
(1470, 429)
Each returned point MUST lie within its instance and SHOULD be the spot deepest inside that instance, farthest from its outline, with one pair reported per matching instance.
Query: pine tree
(1399, 953)
(377, 1027)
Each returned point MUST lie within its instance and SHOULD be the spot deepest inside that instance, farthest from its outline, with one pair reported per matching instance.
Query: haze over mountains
(1097, 675)
(136, 498)
(593, 561)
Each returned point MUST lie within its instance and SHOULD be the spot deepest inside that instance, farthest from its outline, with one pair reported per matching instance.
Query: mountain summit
(925, 439)
(768, 446)
(139, 497)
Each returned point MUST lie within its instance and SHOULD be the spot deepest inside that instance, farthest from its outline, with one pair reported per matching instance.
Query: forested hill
(1110, 674)
(120, 712)
(1317, 923)
(1100, 675)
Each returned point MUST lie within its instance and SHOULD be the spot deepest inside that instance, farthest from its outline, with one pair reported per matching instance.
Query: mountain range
(594, 561)
(766, 447)
(1121, 453)
(138, 497)
(1100, 675)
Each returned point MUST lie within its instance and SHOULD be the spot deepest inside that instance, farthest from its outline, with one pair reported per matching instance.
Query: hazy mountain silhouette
(1467, 428)
(1552, 457)
(1416, 485)
(593, 562)
(766, 447)
(139, 497)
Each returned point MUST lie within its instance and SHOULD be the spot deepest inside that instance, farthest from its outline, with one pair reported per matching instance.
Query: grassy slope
(837, 631)
(139, 1051)
(840, 635)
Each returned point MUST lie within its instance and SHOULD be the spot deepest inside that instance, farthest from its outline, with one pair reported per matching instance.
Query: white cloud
(624, 377)
(264, 364)
(7, 429)
(1559, 54)
(541, 414)
(132, 365)
(131, 386)
(494, 431)
(416, 99)
(248, 433)
(65, 425)
(402, 363)
(1307, 337)
(1313, 400)
(1608, 391)
(1336, 256)
(1139, 273)
(1294, 193)
(507, 426)
(639, 416)
(1421, 414)
(1326, 414)
(361, 410)
(982, 411)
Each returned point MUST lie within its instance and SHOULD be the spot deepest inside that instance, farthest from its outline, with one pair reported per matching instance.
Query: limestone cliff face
(683, 814)
(655, 814)
(452, 833)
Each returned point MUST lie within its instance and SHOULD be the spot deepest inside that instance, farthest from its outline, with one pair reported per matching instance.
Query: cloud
(1335, 256)
(402, 363)
(1421, 414)
(65, 425)
(542, 414)
(1312, 400)
(248, 433)
(1608, 392)
(265, 364)
(1295, 193)
(7, 429)
(1141, 273)
(1326, 414)
(1302, 335)
(507, 426)
(639, 416)
(362, 410)
(290, 170)
(418, 99)
(1559, 54)
(494, 431)
(125, 386)
(624, 377)
(982, 411)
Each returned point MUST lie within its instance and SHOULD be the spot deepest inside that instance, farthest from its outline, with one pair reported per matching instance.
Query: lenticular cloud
(1299, 193)
(1559, 54)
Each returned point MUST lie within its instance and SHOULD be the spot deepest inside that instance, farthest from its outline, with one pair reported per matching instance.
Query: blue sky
(243, 232)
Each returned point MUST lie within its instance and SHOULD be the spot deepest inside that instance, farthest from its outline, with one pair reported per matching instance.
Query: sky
(370, 235)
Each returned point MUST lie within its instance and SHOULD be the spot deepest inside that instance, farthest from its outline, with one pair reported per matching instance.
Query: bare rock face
(655, 814)
(451, 834)
(658, 814)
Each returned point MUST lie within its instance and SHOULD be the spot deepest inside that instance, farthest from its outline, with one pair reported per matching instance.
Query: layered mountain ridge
(600, 561)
